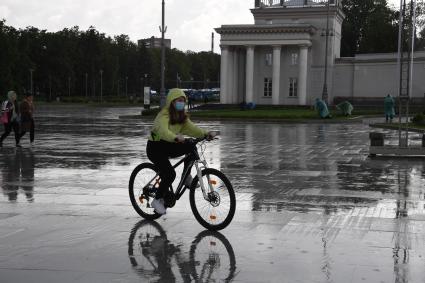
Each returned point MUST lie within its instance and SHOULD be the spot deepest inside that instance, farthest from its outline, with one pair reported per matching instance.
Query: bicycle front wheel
(142, 187)
(216, 210)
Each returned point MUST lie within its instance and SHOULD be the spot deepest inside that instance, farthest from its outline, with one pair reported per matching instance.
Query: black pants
(31, 131)
(8, 129)
(159, 153)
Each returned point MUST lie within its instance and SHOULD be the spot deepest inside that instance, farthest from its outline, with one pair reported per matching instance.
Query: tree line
(371, 26)
(76, 62)
(73, 62)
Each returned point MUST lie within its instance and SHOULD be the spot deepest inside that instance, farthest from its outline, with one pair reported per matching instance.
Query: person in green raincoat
(167, 141)
(345, 107)
(389, 104)
(322, 108)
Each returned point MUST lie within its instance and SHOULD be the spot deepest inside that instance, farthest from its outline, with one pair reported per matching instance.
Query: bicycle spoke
(214, 258)
(214, 213)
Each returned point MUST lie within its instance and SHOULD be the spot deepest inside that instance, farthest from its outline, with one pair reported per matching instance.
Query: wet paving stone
(311, 206)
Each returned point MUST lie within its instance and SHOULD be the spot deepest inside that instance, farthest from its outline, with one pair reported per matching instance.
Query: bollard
(376, 139)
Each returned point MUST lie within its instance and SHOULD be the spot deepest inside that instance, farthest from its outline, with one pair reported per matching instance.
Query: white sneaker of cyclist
(158, 205)
(188, 182)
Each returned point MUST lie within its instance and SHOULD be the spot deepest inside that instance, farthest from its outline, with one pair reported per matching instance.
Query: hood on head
(173, 94)
(11, 94)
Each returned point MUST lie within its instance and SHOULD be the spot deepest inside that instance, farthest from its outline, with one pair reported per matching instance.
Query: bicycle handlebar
(197, 140)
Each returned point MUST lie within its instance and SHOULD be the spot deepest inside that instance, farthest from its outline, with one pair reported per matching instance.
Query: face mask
(179, 106)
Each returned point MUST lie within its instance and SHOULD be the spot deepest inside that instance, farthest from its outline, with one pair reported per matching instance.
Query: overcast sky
(190, 22)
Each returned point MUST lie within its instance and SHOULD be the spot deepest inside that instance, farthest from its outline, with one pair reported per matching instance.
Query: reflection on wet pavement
(18, 174)
(208, 258)
(311, 206)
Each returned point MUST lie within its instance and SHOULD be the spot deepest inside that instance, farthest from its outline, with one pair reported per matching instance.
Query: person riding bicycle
(167, 141)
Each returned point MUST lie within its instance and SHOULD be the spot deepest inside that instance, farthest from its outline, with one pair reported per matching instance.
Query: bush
(150, 112)
(419, 119)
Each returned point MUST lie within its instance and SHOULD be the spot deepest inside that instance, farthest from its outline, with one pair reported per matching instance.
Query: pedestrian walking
(389, 104)
(27, 116)
(190, 100)
(10, 117)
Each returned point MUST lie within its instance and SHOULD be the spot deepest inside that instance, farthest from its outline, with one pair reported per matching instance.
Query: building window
(293, 87)
(267, 87)
(294, 59)
(269, 59)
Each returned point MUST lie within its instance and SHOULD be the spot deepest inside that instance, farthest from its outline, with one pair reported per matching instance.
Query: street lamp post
(87, 76)
(126, 89)
(141, 87)
(163, 30)
(69, 86)
(31, 85)
(50, 88)
(325, 84)
(101, 86)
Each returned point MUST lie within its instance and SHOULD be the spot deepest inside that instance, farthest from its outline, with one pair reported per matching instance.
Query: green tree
(370, 26)
(67, 57)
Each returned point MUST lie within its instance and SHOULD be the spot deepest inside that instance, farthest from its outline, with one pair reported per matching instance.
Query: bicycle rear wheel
(217, 211)
(142, 187)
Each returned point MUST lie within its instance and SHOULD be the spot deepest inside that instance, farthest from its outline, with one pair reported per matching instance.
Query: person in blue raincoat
(322, 108)
(389, 104)
(345, 107)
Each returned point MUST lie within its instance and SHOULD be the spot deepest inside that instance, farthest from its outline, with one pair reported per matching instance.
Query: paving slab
(311, 206)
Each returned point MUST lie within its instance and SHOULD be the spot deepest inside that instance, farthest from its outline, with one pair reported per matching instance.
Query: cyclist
(167, 141)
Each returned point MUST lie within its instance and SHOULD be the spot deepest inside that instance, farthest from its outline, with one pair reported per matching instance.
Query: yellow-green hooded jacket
(163, 130)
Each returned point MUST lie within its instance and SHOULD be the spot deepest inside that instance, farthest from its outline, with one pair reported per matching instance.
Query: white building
(280, 59)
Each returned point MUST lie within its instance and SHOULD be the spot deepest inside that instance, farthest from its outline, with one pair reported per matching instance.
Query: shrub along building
(280, 59)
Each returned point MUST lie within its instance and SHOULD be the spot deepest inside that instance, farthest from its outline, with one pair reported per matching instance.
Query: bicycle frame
(194, 159)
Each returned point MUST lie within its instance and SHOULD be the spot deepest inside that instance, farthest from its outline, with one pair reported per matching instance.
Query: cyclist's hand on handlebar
(211, 135)
(179, 138)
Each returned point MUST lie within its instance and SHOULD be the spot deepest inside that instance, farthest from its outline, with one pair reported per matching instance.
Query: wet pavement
(311, 206)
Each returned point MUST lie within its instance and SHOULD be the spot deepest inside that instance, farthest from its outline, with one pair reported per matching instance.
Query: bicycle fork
(199, 174)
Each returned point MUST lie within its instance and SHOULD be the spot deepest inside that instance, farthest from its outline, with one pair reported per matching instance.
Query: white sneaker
(158, 205)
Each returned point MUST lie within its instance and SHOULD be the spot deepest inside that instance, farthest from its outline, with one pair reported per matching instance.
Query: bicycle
(215, 192)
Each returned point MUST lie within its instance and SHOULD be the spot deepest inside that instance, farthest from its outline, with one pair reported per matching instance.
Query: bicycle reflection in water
(155, 258)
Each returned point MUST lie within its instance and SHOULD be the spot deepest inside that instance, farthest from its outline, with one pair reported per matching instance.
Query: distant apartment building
(154, 42)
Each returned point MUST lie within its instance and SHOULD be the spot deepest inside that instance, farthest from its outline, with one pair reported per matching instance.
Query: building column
(249, 74)
(235, 77)
(302, 75)
(224, 68)
(276, 74)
